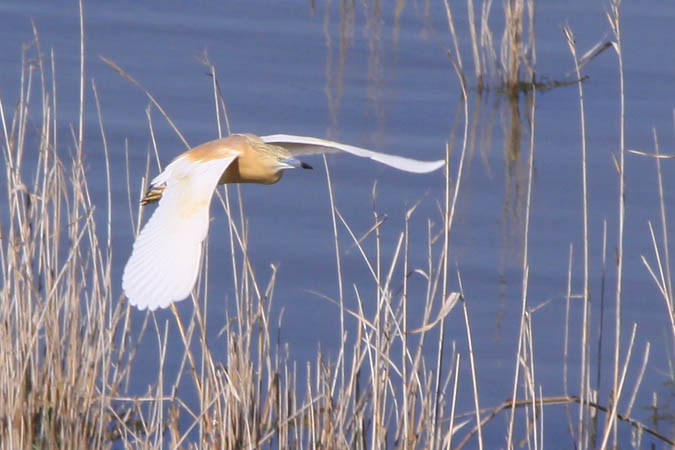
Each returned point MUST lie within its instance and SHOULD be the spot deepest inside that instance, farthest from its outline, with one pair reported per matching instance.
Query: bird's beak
(293, 163)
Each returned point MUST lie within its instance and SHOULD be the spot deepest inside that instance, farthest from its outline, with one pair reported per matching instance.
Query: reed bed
(511, 68)
(64, 376)
(68, 345)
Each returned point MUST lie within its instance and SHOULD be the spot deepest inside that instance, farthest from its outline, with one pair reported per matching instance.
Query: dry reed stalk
(477, 62)
(489, 55)
(610, 426)
(453, 34)
(512, 41)
(583, 432)
(473, 373)
(614, 18)
(525, 267)
(565, 366)
(80, 128)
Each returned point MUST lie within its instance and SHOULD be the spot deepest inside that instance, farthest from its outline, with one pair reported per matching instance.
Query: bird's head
(276, 157)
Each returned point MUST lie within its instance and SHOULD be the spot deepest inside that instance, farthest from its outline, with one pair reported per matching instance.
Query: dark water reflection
(377, 74)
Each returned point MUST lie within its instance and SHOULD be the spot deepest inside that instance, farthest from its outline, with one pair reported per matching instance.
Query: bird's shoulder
(227, 147)
(214, 156)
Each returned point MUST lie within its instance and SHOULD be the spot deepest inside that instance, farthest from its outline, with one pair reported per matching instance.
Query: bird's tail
(153, 195)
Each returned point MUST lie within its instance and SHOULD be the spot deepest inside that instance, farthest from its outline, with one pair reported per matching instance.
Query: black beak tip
(304, 165)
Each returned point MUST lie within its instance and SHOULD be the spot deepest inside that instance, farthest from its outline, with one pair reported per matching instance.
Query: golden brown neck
(252, 166)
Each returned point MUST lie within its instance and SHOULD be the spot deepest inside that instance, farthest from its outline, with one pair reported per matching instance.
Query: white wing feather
(164, 262)
(299, 145)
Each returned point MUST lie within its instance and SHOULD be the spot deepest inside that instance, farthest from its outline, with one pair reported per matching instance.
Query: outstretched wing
(303, 145)
(164, 262)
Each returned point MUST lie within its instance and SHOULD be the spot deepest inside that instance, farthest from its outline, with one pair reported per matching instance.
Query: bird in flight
(164, 262)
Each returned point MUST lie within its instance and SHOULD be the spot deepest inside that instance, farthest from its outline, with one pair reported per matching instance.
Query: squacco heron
(165, 259)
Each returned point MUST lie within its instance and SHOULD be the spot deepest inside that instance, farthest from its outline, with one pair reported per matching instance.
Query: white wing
(299, 145)
(164, 263)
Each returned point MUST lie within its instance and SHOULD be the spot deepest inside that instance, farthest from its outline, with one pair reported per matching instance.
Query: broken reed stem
(491, 413)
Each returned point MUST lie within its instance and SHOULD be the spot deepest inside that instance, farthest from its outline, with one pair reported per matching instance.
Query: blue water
(279, 68)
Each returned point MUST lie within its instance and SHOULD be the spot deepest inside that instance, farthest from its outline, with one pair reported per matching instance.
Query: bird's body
(164, 263)
(256, 162)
